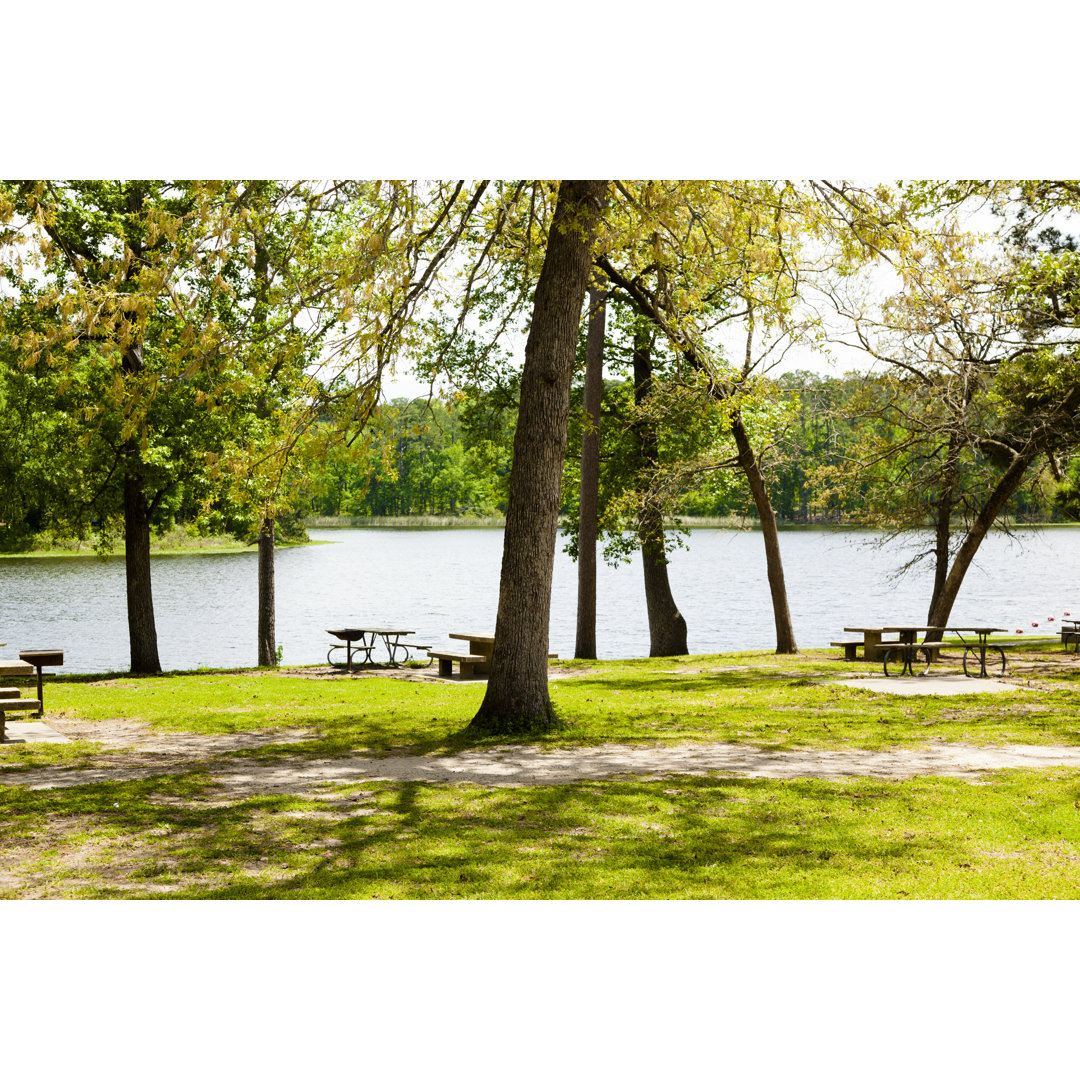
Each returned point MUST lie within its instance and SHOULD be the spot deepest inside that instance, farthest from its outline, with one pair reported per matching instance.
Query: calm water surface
(435, 581)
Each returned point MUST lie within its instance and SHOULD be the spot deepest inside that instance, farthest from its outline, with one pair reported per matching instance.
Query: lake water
(435, 581)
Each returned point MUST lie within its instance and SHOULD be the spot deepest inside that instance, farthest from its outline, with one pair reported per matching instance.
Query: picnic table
(482, 645)
(873, 646)
(39, 658)
(1070, 634)
(11, 699)
(981, 648)
(364, 639)
(907, 650)
(904, 653)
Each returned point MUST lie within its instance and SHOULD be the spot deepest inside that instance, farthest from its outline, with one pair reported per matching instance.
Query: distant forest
(451, 458)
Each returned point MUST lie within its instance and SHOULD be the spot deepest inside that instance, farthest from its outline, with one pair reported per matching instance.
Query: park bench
(849, 647)
(466, 662)
(10, 701)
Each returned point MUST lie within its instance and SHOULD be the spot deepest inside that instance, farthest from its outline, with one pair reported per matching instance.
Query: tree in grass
(704, 256)
(589, 486)
(979, 383)
(108, 262)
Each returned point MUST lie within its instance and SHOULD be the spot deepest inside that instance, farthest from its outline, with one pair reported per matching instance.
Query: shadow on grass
(684, 837)
(669, 838)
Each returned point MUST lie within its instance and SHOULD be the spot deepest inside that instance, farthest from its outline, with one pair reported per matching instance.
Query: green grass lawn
(1012, 834)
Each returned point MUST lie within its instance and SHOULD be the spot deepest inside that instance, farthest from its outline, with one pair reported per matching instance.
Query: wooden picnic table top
(487, 638)
(343, 634)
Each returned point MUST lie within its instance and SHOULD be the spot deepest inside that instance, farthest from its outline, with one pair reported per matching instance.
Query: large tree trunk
(1011, 479)
(142, 630)
(267, 642)
(517, 698)
(589, 501)
(667, 627)
(785, 634)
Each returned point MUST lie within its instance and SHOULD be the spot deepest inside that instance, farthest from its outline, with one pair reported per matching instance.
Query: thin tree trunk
(142, 630)
(517, 698)
(667, 627)
(589, 501)
(267, 630)
(785, 634)
(1012, 478)
(267, 637)
(943, 531)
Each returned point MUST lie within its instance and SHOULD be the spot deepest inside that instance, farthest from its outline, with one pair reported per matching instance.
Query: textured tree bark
(267, 637)
(589, 501)
(943, 532)
(267, 630)
(785, 634)
(1012, 478)
(517, 698)
(667, 627)
(142, 630)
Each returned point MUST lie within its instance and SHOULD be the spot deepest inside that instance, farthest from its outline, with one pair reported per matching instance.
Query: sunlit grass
(1014, 836)
(182, 835)
(757, 698)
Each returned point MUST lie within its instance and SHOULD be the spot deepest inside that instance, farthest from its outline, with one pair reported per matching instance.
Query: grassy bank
(1014, 833)
(409, 521)
(423, 521)
(176, 541)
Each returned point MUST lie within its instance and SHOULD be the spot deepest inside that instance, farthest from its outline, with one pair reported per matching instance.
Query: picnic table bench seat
(466, 662)
(849, 647)
(11, 702)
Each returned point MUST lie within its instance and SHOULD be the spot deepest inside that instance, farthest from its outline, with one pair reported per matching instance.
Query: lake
(435, 581)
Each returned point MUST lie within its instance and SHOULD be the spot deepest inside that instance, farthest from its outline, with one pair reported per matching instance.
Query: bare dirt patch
(170, 747)
(526, 765)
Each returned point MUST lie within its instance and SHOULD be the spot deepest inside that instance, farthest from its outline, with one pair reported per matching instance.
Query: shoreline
(734, 524)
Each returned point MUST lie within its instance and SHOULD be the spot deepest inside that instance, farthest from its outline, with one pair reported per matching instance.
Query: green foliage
(421, 457)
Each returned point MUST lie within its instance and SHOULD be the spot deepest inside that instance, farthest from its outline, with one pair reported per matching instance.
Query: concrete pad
(27, 731)
(914, 685)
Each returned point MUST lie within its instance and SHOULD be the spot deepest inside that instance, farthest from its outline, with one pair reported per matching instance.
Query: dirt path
(156, 754)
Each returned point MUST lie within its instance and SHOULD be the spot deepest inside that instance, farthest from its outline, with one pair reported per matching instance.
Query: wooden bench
(873, 645)
(466, 662)
(11, 702)
(849, 648)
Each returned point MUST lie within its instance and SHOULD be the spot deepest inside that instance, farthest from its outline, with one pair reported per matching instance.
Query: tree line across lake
(449, 457)
(215, 352)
